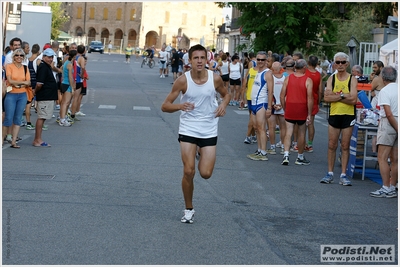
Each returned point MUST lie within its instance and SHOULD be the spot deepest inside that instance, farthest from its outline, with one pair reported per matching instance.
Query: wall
(33, 33)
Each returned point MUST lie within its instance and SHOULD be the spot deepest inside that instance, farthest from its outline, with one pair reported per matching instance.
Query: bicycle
(148, 61)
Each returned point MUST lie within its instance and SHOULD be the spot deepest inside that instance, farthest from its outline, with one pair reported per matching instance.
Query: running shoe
(294, 148)
(65, 123)
(249, 156)
(260, 157)
(80, 113)
(248, 140)
(384, 193)
(327, 179)
(188, 216)
(285, 160)
(344, 180)
(303, 161)
(30, 127)
(271, 151)
(254, 139)
(309, 149)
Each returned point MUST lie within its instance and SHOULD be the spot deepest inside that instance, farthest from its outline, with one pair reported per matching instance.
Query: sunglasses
(341, 62)
(18, 55)
(261, 59)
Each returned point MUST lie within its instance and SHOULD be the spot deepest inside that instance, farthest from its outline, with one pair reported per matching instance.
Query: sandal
(15, 146)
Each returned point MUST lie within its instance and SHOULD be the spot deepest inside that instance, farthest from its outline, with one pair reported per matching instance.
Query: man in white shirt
(15, 43)
(163, 56)
(387, 134)
(199, 117)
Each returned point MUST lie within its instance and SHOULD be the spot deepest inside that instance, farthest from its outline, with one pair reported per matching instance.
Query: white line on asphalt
(108, 106)
(241, 112)
(141, 108)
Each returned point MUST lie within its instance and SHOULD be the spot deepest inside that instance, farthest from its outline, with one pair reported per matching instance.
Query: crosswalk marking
(141, 108)
(242, 112)
(108, 106)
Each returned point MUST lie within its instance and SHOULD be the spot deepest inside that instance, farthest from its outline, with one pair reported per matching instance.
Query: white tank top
(278, 84)
(224, 68)
(201, 121)
(235, 71)
(259, 91)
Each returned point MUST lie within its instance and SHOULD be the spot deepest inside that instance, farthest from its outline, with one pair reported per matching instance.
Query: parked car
(96, 46)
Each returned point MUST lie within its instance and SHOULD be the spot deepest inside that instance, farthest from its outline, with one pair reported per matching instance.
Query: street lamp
(212, 26)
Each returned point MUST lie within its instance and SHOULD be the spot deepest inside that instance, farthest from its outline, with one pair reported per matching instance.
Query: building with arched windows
(140, 24)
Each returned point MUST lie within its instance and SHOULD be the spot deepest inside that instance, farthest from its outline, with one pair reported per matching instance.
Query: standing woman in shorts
(67, 87)
(19, 79)
(235, 78)
(223, 66)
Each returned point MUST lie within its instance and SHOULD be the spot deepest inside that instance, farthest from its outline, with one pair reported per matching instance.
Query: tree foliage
(359, 26)
(320, 27)
(58, 17)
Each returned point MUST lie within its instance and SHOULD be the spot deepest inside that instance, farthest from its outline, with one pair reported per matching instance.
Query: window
(133, 14)
(91, 14)
(119, 13)
(105, 14)
(79, 13)
(166, 16)
(184, 19)
(203, 20)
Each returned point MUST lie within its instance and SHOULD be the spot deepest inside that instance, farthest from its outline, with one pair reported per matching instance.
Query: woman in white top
(235, 79)
(223, 67)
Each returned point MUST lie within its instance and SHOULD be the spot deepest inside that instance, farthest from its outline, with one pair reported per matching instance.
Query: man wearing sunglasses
(261, 103)
(341, 93)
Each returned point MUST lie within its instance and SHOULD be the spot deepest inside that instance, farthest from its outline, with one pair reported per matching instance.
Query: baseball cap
(49, 52)
(47, 45)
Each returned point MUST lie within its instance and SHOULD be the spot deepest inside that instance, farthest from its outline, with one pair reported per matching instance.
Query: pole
(5, 24)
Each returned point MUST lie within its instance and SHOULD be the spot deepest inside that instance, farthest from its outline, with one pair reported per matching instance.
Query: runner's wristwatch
(342, 95)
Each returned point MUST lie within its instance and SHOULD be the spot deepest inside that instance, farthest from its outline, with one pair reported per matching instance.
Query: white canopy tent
(388, 54)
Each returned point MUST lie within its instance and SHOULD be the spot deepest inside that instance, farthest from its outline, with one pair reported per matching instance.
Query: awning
(63, 36)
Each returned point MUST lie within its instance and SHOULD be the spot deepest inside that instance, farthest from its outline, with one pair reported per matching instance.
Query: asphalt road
(108, 190)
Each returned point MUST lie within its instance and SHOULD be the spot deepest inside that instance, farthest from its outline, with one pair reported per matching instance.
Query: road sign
(179, 38)
(14, 13)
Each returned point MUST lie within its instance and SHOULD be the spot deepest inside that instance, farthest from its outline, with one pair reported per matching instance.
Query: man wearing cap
(54, 47)
(46, 94)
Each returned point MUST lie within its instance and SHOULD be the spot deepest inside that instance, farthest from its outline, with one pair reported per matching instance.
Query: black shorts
(79, 86)
(84, 90)
(64, 88)
(225, 77)
(342, 121)
(235, 82)
(200, 142)
(298, 122)
(127, 56)
(175, 69)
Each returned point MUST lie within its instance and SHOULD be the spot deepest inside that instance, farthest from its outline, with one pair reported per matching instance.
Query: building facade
(180, 24)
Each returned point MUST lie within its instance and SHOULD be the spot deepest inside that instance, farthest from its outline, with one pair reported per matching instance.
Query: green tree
(359, 26)
(58, 17)
(284, 26)
(383, 9)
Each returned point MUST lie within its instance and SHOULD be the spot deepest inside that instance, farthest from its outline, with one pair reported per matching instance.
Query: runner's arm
(223, 91)
(178, 87)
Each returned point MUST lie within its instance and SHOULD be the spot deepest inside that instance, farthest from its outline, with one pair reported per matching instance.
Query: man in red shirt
(297, 101)
(315, 76)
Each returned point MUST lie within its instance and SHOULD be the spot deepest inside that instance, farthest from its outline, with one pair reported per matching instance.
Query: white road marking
(141, 108)
(108, 106)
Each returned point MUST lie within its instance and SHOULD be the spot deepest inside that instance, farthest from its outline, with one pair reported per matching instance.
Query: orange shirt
(17, 74)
